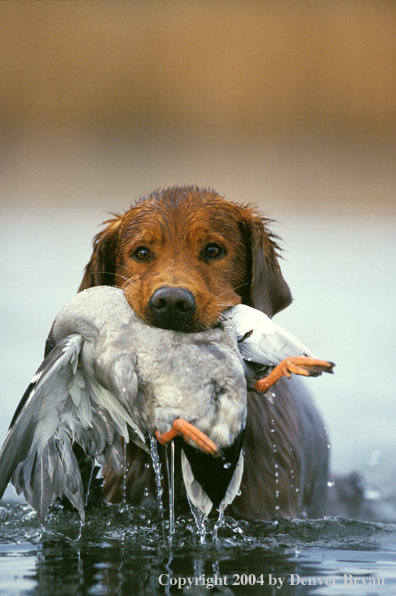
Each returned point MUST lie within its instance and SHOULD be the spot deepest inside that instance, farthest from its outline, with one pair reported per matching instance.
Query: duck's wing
(212, 481)
(194, 490)
(61, 406)
(199, 497)
(260, 340)
(271, 349)
(36, 445)
(233, 487)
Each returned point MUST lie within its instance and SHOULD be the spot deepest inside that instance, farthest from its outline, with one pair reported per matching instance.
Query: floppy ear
(268, 290)
(100, 269)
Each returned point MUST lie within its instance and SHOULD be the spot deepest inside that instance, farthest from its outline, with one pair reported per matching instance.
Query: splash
(220, 522)
(200, 519)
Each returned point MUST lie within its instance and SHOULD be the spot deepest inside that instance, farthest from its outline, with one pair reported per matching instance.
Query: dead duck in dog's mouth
(109, 374)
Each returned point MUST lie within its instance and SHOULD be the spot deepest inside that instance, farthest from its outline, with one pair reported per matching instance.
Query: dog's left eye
(212, 251)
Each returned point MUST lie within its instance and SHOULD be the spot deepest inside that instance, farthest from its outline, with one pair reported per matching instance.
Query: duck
(108, 375)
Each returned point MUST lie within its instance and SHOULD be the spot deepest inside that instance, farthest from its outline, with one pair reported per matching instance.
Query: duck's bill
(189, 432)
(298, 365)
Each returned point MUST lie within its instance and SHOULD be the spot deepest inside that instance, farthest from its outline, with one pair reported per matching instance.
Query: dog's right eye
(142, 253)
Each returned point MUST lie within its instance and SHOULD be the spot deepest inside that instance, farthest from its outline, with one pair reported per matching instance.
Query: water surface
(126, 550)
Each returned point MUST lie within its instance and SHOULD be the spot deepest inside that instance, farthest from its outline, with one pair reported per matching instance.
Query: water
(89, 483)
(125, 550)
(170, 469)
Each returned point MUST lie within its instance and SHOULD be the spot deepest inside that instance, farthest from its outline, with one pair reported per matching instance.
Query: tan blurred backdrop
(115, 98)
(289, 104)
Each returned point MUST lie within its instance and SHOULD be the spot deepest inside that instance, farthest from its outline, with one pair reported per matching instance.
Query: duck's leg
(189, 432)
(299, 365)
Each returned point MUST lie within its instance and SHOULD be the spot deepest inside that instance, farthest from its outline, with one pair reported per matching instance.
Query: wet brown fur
(285, 445)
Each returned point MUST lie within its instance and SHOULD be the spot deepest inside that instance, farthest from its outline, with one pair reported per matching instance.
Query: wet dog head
(184, 254)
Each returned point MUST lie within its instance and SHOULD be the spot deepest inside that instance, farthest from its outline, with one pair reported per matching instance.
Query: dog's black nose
(172, 308)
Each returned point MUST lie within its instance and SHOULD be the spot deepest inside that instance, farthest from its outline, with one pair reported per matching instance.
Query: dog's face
(181, 270)
(183, 255)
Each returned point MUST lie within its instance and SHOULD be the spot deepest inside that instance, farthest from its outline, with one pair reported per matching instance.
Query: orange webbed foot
(189, 432)
(298, 365)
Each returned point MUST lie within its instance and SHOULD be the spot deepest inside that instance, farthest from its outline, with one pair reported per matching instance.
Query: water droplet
(330, 483)
(239, 493)
(297, 490)
(328, 445)
(276, 474)
(374, 457)
(272, 430)
(277, 507)
(227, 465)
(276, 466)
(124, 473)
(147, 466)
(277, 494)
(372, 494)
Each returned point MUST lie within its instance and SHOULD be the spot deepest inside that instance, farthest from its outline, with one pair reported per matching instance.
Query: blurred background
(290, 105)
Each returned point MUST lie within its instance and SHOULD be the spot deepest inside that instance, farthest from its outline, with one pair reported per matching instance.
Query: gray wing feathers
(25, 428)
(198, 496)
(272, 349)
(115, 388)
(195, 492)
(63, 406)
(234, 485)
(260, 339)
(292, 343)
(44, 476)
